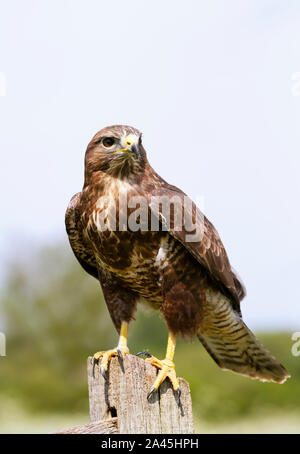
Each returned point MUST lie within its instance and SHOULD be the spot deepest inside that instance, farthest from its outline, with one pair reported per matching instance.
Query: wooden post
(123, 399)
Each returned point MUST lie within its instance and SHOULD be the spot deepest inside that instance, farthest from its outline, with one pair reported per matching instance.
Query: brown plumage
(191, 283)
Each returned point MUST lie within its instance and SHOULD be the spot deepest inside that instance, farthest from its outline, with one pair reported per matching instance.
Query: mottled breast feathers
(209, 251)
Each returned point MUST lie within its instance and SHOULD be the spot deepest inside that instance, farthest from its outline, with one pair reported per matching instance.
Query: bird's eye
(108, 142)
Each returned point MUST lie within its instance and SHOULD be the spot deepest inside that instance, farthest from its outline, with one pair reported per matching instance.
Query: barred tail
(233, 346)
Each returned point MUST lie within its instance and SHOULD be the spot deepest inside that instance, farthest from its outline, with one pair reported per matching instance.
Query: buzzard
(184, 272)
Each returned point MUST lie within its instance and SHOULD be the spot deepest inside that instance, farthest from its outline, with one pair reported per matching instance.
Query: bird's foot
(105, 357)
(166, 369)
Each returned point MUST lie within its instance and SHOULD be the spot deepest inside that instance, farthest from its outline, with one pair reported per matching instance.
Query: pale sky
(209, 83)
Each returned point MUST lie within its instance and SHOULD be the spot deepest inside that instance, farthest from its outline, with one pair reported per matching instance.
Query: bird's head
(116, 150)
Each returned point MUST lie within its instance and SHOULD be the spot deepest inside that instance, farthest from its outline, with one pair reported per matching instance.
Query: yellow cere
(131, 139)
(127, 142)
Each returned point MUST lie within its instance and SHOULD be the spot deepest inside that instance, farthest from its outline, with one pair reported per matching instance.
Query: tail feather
(233, 346)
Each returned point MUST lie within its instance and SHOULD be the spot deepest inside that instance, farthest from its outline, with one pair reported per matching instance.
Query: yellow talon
(105, 356)
(167, 369)
(166, 366)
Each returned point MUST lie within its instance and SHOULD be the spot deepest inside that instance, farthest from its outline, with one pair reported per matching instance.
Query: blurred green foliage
(54, 316)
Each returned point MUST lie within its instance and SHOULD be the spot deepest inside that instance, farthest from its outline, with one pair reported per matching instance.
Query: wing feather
(79, 245)
(209, 251)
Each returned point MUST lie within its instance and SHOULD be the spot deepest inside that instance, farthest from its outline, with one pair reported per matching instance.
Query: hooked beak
(130, 143)
(135, 149)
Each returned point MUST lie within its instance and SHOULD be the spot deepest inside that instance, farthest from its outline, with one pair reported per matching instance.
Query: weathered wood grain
(99, 427)
(124, 396)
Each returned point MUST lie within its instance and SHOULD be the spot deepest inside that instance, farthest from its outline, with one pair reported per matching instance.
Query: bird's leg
(120, 351)
(166, 366)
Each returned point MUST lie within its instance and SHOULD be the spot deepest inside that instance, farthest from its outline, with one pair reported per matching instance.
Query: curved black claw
(178, 392)
(152, 390)
(147, 354)
(120, 354)
(103, 372)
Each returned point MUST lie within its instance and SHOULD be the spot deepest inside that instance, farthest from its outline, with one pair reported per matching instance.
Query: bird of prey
(188, 279)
